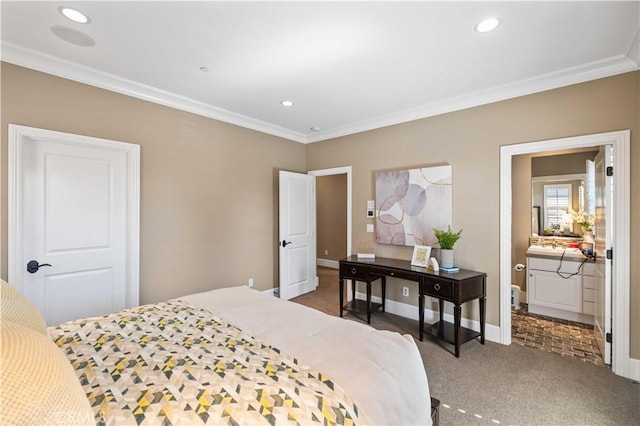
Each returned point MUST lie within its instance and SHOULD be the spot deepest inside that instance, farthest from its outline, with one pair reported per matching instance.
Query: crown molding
(592, 71)
(39, 61)
(634, 49)
(51, 65)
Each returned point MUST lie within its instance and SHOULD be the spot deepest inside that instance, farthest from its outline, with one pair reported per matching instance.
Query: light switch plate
(370, 227)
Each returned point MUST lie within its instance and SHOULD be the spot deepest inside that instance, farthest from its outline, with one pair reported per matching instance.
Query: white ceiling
(348, 66)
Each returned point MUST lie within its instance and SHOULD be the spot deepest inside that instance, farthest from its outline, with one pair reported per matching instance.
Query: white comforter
(381, 370)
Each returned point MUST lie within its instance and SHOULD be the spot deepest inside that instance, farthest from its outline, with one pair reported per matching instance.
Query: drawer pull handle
(392, 274)
(436, 287)
(353, 270)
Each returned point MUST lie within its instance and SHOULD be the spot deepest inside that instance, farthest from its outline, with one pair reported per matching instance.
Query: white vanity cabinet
(592, 280)
(547, 288)
(557, 289)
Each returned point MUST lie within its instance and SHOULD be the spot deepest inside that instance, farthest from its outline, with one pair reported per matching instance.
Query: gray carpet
(509, 385)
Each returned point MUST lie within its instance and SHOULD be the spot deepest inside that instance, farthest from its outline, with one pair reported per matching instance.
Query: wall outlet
(250, 282)
(405, 291)
(326, 252)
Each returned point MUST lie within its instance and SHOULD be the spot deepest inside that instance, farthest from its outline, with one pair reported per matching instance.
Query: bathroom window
(557, 200)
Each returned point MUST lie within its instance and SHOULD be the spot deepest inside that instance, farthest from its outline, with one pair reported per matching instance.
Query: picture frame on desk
(421, 255)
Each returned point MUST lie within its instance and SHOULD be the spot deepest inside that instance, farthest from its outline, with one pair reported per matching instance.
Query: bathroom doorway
(560, 183)
(619, 142)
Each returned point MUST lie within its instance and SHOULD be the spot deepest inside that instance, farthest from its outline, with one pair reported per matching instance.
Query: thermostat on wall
(371, 206)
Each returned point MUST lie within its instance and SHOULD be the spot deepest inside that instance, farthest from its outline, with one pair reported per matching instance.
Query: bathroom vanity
(561, 283)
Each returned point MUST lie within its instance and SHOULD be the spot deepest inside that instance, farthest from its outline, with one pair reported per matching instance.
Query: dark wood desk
(458, 288)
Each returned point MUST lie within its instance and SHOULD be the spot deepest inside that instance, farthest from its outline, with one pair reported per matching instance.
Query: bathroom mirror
(550, 197)
(536, 228)
(569, 181)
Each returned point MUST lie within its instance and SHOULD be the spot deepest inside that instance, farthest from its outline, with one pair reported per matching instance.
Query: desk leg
(368, 302)
(483, 309)
(341, 296)
(441, 314)
(457, 310)
(384, 291)
(421, 308)
(353, 289)
(483, 317)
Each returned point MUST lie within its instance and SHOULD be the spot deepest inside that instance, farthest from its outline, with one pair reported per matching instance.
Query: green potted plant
(447, 239)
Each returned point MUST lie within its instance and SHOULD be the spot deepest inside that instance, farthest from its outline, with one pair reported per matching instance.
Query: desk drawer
(398, 273)
(356, 272)
(438, 288)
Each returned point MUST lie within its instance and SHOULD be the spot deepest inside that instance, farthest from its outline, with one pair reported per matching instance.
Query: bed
(227, 356)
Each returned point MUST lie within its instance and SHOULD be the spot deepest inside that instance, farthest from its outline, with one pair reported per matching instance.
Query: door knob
(33, 266)
(286, 243)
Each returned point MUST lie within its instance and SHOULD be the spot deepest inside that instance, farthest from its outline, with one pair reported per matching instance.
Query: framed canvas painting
(410, 203)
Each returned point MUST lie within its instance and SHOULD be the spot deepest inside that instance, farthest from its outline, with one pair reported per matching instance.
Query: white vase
(446, 258)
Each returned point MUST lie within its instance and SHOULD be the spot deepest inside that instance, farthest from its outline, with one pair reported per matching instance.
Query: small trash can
(515, 296)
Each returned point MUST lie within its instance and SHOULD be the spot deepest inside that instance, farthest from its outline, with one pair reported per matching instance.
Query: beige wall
(470, 141)
(520, 216)
(208, 189)
(331, 216)
(564, 164)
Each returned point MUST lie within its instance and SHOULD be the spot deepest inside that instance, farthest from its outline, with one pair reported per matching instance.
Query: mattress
(381, 370)
(237, 356)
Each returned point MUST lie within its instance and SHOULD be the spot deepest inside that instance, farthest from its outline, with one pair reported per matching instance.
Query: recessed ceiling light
(74, 15)
(204, 69)
(286, 103)
(487, 25)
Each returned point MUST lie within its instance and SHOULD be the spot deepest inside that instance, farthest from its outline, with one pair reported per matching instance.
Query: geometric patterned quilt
(174, 364)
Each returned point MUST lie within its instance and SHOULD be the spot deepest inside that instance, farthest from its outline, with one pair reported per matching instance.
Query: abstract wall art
(410, 203)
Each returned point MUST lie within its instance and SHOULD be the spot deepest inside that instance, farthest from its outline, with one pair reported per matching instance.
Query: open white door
(297, 233)
(73, 214)
(604, 231)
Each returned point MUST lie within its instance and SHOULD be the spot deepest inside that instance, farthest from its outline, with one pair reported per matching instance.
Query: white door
(604, 230)
(71, 207)
(297, 233)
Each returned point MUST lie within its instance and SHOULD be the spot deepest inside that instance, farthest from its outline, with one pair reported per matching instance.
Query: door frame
(17, 134)
(340, 171)
(621, 363)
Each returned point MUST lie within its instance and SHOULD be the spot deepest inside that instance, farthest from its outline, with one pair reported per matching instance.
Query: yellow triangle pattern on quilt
(171, 363)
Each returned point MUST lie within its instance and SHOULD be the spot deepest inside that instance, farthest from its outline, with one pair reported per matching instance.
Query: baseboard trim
(328, 263)
(271, 292)
(634, 367)
(492, 332)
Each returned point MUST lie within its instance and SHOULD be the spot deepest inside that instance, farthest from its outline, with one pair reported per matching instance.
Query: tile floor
(568, 338)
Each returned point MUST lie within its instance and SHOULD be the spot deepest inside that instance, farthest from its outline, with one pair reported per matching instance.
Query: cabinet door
(551, 290)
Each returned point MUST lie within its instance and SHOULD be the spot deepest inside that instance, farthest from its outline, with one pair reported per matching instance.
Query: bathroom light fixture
(74, 15)
(286, 103)
(487, 25)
